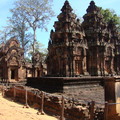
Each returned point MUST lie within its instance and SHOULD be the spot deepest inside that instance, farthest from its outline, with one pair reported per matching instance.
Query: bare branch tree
(5, 34)
(37, 13)
(19, 28)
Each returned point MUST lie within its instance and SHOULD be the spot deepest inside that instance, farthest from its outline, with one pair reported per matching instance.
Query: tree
(109, 15)
(39, 48)
(32, 14)
(19, 28)
(5, 34)
(37, 13)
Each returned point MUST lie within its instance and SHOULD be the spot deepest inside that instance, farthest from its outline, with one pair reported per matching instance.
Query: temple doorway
(14, 74)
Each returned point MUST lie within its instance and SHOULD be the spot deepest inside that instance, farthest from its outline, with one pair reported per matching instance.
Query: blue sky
(79, 7)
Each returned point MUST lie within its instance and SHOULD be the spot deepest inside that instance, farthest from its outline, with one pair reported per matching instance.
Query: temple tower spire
(67, 46)
(101, 55)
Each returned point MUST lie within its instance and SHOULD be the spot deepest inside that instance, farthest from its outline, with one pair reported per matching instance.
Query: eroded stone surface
(90, 48)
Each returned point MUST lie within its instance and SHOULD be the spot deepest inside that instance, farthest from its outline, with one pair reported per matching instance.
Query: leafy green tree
(111, 15)
(39, 48)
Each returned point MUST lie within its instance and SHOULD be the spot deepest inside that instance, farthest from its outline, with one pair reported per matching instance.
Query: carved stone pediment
(13, 61)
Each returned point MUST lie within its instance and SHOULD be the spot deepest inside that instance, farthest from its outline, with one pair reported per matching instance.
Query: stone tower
(101, 47)
(67, 46)
(116, 39)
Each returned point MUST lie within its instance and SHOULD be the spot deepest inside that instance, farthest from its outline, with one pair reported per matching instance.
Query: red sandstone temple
(13, 67)
(90, 48)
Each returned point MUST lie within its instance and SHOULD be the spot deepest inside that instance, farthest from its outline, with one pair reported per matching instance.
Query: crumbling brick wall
(52, 103)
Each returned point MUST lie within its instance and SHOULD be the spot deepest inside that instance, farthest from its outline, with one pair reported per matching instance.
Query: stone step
(81, 83)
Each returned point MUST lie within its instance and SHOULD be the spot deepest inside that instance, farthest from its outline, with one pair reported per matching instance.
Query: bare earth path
(12, 111)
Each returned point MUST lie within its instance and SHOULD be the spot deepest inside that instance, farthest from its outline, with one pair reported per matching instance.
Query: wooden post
(7, 82)
(73, 102)
(92, 110)
(14, 94)
(26, 98)
(3, 90)
(106, 111)
(62, 110)
(42, 104)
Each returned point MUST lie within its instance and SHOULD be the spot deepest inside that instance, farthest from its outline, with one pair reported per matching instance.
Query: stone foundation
(62, 84)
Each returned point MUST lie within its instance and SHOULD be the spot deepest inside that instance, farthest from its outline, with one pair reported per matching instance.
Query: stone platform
(61, 84)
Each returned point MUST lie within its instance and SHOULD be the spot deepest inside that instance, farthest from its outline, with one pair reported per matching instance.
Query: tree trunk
(33, 61)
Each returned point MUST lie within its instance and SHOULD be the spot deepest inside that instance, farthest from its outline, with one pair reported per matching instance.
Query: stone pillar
(112, 95)
(74, 66)
(105, 70)
(112, 66)
(67, 70)
(84, 63)
(85, 66)
(66, 67)
(35, 72)
(9, 74)
(98, 61)
(16, 75)
(4, 73)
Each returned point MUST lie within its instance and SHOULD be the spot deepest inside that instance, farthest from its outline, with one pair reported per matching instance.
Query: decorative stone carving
(13, 66)
(67, 45)
(12, 61)
(75, 49)
(99, 37)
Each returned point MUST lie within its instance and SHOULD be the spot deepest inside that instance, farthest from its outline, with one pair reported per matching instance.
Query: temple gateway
(90, 48)
(13, 66)
(12, 63)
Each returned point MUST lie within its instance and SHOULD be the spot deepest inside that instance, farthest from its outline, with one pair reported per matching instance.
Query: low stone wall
(73, 110)
(52, 104)
(60, 84)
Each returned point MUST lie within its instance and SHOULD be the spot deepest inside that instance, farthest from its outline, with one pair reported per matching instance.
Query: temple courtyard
(86, 93)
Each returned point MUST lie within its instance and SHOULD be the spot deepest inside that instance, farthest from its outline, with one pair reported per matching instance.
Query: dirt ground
(13, 111)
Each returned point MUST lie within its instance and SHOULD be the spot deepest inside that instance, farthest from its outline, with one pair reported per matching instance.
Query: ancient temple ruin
(13, 67)
(12, 64)
(37, 69)
(67, 46)
(90, 48)
(100, 43)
